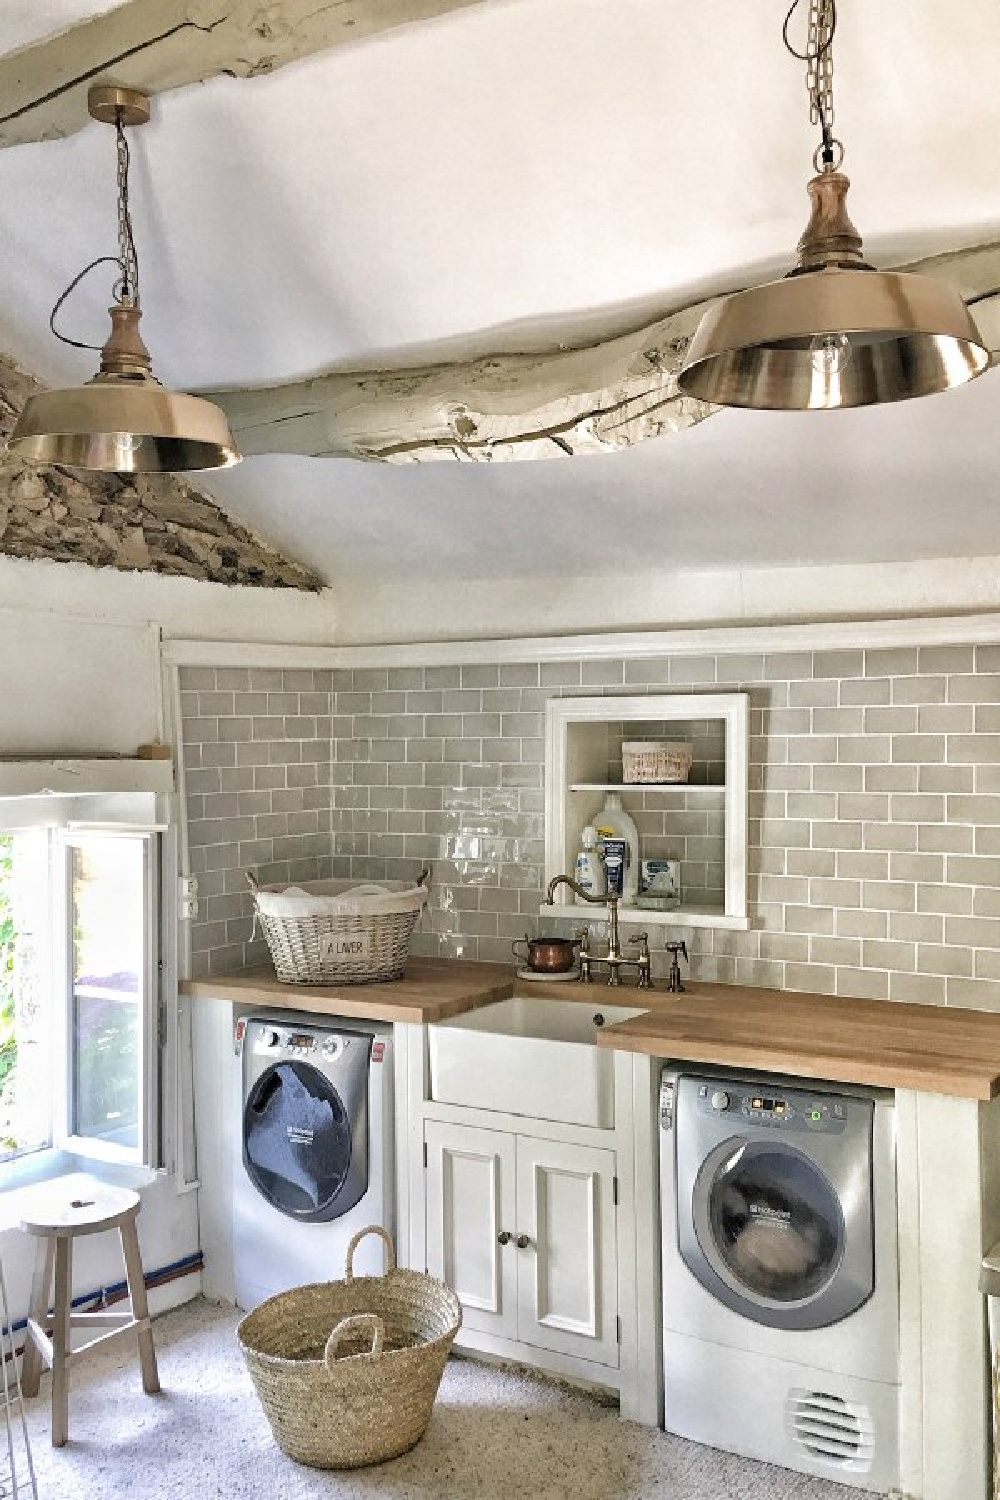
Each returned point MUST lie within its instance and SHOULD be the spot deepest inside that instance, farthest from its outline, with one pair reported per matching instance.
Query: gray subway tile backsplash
(874, 853)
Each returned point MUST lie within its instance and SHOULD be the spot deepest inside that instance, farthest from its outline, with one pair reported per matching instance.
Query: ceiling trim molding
(158, 45)
(936, 630)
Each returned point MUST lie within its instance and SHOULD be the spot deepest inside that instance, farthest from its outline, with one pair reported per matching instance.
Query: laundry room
(481, 1018)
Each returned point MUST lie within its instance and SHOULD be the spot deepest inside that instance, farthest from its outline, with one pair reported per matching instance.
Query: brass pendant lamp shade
(835, 332)
(123, 421)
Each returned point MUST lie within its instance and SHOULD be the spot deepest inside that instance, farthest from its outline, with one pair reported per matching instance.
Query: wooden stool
(59, 1212)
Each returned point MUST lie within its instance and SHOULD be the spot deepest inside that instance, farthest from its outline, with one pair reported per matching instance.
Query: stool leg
(61, 1340)
(140, 1307)
(32, 1363)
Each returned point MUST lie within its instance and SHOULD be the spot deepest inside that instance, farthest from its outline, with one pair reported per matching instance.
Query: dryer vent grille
(831, 1429)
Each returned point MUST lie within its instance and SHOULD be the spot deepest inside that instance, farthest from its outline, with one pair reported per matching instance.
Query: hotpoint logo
(765, 1211)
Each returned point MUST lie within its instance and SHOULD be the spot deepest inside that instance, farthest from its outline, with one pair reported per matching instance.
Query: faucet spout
(568, 880)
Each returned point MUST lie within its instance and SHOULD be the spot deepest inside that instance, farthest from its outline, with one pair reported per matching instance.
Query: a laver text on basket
(357, 947)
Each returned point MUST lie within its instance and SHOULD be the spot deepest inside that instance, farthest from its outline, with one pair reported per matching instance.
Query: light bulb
(124, 447)
(830, 353)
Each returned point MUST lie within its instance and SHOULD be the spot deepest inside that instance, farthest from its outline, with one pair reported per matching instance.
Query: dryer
(314, 1157)
(780, 1272)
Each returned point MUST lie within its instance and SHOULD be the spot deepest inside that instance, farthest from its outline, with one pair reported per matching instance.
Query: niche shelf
(702, 822)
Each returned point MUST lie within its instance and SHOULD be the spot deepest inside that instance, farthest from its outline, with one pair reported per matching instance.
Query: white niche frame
(573, 733)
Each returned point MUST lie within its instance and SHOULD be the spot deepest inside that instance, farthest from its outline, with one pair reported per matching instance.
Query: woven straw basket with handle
(347, 1371)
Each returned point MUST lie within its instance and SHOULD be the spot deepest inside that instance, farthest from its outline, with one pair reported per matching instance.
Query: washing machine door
(303, 1151)
(769, 1236)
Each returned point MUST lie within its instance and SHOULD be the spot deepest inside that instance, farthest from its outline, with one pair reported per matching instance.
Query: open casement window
(107, 1105)
(83, 923)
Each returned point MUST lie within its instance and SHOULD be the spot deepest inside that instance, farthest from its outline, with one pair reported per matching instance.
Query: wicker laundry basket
(347, 1371)
(338, 932)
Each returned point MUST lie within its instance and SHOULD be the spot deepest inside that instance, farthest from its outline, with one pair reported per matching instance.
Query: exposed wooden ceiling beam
(598, 398)
(510, 406)
(158, 45)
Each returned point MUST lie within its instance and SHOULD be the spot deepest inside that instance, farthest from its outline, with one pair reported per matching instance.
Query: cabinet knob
(503, 1238)
(522, 1242)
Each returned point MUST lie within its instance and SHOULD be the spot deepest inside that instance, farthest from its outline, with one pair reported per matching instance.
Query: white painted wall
(60, 606)
(503, 609)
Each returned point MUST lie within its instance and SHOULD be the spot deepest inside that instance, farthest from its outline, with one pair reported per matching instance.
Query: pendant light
(835, 332)
(123, 421)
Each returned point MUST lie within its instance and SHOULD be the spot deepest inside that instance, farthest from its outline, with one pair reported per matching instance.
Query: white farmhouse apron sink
(529, 1057)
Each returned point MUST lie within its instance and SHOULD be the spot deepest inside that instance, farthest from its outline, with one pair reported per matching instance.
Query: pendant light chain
(819, 67)
(126, 241)
(818, 58)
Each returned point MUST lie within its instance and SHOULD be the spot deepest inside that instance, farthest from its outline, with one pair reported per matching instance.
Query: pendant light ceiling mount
(110, 103)
(835, 332)
(123, 420)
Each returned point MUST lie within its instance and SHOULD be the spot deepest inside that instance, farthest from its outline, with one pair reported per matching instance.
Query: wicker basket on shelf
(335, 932)
(347, 1371)
(655, 762)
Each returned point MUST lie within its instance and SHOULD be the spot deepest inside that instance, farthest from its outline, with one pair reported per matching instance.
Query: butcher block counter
(934, 1049)
(431, 989)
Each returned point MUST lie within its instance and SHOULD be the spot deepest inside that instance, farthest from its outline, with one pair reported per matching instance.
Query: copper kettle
(547, 955)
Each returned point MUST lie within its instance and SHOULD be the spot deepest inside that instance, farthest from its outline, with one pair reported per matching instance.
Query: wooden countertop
(430, 990)
(936, 1049)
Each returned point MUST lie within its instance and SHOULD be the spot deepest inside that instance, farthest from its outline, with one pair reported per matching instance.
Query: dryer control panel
(297, 1042)
(792, 1110)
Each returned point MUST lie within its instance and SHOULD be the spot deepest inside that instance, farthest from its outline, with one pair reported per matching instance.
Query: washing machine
(780, 1272)
(314, 1158)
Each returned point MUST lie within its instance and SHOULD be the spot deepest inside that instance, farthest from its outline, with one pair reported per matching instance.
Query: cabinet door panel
(567, 1277)
(470, 1199)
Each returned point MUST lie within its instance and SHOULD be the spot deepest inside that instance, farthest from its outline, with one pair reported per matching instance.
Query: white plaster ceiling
(516, 175)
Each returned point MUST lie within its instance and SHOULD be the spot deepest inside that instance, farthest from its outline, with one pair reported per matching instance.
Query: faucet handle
(583, 938)
(674, 981)
(642, 938)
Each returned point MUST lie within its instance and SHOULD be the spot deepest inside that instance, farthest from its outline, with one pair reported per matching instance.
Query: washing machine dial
(720, 1100)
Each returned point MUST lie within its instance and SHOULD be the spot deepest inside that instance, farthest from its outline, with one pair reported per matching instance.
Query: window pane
(108, 916)
(25, 1018)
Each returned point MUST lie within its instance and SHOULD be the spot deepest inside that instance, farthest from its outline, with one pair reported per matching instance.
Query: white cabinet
(470, 1205)
(703, 822)
(567, 1285)
(524, 1230)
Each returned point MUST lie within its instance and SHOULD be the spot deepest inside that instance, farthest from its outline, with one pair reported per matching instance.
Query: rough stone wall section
(154, 523)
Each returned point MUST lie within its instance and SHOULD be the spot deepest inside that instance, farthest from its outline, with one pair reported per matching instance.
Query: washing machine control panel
(303, 1044)
(775, 1108)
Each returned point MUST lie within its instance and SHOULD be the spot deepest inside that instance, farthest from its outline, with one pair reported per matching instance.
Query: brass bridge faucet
(614, 960)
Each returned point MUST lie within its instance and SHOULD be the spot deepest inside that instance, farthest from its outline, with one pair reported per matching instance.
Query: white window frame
(146, 1152)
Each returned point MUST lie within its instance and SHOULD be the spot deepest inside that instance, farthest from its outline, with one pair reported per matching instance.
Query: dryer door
(769, 1236)
(302, 1151)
